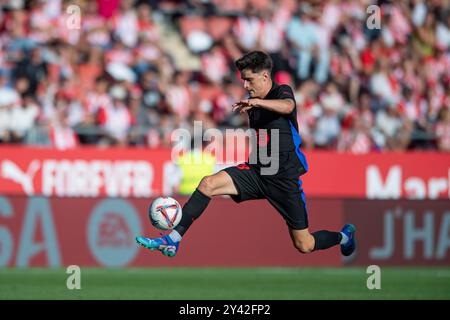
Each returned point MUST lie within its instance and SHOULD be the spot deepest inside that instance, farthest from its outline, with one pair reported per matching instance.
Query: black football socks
(192, 209)
(325, 239)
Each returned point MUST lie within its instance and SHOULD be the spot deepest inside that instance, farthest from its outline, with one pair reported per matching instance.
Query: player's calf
(306, 242)
(304, 246)
(302, 240)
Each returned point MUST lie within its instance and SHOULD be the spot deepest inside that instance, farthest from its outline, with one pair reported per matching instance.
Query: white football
(165, 213)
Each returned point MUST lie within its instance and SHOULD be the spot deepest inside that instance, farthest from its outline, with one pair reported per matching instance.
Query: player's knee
(303, 246)
(207, 185)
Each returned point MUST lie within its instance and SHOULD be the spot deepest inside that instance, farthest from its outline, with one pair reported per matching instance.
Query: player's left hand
(245, 105)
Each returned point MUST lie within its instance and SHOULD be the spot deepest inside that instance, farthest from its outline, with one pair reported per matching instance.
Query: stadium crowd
(113, 76)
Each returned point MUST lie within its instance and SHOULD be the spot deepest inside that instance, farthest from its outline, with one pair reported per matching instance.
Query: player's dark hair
(256, 61)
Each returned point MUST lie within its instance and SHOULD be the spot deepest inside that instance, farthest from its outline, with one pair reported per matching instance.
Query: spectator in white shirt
(327, 127)
(247, 29)
(9, 99)
(395, 128)
(125, 23)
(22, 118)
(304, 33)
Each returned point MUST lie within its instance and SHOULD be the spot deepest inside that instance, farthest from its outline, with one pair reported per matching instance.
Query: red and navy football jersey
(289, 137)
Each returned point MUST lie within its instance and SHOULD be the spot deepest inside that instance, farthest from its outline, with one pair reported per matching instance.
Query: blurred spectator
(94, 26)
(273, 28)
(23, 118)
(383, 84)
(106, 8)
(308, 111)
(115, 118)
(8, 94)
(136, 70)
(179, 96)
(215, 64)
(152, 104)
(394, 127)
(443, 130)
(247, 29)
(32, 69)
(221, 111)
(328, 125)
(61, 135)
(355, 140)
(5, 111)
(9, 100)
(125, 23)
(310, 42)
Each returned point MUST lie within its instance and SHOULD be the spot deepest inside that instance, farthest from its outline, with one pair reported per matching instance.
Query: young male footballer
(271, 108)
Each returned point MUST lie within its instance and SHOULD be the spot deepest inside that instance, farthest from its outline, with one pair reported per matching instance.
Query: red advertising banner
(415, 175)
(401, 232)
(37, 231)
(137, 173)
(86, 172)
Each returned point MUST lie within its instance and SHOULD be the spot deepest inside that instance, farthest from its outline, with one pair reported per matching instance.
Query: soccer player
(269, 106)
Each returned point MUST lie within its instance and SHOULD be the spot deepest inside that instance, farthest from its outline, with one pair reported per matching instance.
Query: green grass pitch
(225, 283)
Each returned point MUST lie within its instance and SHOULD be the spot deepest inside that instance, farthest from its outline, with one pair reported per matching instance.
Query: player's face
(256, 83)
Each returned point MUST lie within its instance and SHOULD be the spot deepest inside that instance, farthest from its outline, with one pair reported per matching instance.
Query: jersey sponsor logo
(396, 184)
(79, 177)
(111, 227)
(287, 93)
(243, 166)
(11, 171)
